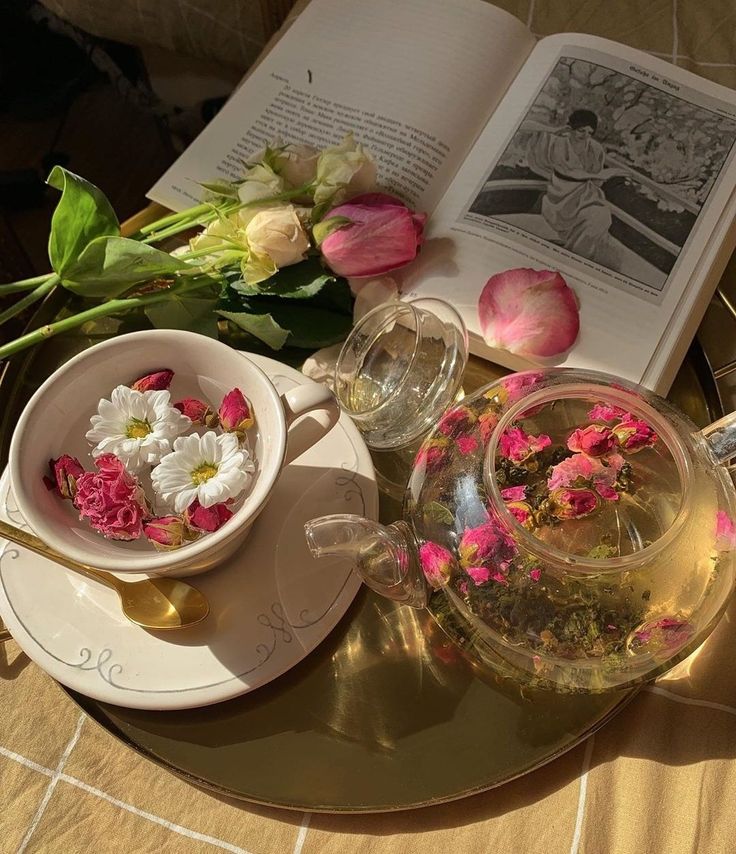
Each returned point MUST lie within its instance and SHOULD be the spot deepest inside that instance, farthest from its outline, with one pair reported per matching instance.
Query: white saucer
(271, 605)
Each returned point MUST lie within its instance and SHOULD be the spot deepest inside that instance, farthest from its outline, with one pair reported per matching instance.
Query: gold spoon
(156, 603)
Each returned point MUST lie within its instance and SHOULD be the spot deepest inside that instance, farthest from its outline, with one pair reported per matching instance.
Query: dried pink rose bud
(167, 532)
(206, 518)
(633, 434)
(65, 472)
(595, 440)
(573, 503)
(466, 444)
(581, 470)
(156, 381)
(198, 412)
(487, 422)
(437, 563)
(456, 422)
(487, 542)
(522, 512)
(235, 413)
(433, 454)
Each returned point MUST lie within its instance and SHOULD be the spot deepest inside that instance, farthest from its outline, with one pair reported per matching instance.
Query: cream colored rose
(297, 164)
(220, 230)
(344, 170)
(260, 182)
(277, 233)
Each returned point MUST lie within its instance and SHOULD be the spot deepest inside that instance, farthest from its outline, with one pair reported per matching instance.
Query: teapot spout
(385, 556)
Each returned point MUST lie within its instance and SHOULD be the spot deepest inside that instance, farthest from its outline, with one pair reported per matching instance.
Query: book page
(415, 80)
(610, 166)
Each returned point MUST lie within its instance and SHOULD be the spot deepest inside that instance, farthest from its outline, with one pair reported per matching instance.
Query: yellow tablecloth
(660, 778)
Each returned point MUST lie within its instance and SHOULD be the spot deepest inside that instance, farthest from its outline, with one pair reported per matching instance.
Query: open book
(572, 153)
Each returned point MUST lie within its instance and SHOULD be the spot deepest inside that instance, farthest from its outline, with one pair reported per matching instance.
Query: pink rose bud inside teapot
(570, 530)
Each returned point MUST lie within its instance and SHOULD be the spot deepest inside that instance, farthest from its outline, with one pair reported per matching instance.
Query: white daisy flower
(137, 426)
(211, 468)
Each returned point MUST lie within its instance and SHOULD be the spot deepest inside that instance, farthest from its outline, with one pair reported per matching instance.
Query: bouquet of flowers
(271, 254)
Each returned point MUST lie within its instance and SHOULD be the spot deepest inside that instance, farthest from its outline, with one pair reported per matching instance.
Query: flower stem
(207, 250)
(106, 308)
(35, 295)
(24, 284)
(171, 219)
(177, 228)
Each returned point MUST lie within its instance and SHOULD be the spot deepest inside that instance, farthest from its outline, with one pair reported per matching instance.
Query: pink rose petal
(531, 313)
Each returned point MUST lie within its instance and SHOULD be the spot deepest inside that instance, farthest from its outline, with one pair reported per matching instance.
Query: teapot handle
(721, 437)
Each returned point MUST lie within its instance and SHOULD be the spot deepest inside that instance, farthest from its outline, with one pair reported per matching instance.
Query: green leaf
(82, 214)
(194, 314)
(310, 326)
(299, 281)
(436, 512)
(322, 230)
(111, 265)
(263, 326)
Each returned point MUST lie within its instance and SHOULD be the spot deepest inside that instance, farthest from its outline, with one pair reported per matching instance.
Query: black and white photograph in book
(609, 168)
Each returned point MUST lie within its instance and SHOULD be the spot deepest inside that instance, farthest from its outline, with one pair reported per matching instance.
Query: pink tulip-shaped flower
(166, 532)
(156, 381)
(437, 563)
(65, 472)
(573, 503)
(375, 233)
(633, 434)
(236, 415)
(198, 412)
(532, 313)
(595, 440)
(111, 500)
(518, 446)
(206, 518)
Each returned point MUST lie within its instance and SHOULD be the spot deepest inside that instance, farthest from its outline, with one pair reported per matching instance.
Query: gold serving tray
(386, 714)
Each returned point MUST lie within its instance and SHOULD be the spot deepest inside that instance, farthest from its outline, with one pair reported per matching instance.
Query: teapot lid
(587, 476)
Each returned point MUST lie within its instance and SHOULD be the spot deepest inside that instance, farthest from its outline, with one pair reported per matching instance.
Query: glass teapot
(568, 529)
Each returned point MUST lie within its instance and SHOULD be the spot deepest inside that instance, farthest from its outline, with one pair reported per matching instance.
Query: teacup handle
(319, 402)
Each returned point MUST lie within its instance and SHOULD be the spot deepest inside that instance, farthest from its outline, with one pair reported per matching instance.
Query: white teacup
(57, 417)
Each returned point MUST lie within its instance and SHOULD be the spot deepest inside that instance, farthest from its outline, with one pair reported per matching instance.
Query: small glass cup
(400, 368)
(397, 372)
